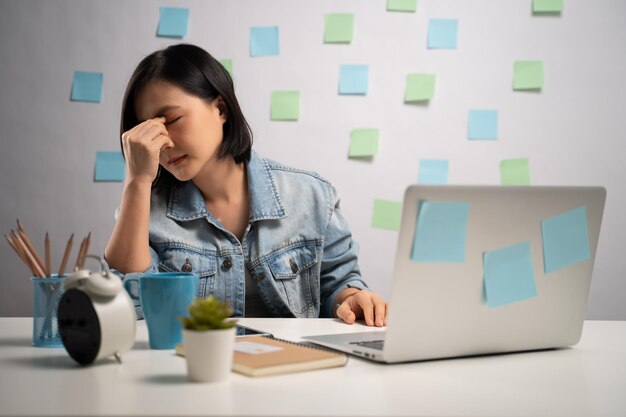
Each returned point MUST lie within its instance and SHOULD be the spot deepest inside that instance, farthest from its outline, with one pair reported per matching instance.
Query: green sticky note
(508, 275)
(387, 214)
(363, 143)
(565, 239)
(228, 65)
(338, 27)
(401, 5)
(285, 105)
(528, 75)
(440, 232)
(419, 87)
(515, 172)
(110, 167)
(547, 6)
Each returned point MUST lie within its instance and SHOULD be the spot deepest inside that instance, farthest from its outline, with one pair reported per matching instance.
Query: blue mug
(164, 297)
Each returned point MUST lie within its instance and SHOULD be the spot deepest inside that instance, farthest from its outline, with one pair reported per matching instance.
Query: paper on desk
(255, 348)
(565, 239)
(508, 275)
(440, 232)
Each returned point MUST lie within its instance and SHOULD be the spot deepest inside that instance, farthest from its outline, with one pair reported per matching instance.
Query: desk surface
(587, 380)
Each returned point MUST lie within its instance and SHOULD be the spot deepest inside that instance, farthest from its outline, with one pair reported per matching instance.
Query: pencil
(80, 254)
(19, 253)
(14, 239)
(48, 255)
(24, 237)
(38, 270)
(66, 255)
(85, 251)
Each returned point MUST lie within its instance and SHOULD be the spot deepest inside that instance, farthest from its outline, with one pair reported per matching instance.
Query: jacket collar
(186, 202)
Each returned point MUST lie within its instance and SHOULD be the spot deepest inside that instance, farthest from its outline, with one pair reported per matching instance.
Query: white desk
(587, 380)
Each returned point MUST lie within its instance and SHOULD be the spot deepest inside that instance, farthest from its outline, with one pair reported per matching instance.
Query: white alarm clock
(96, 316)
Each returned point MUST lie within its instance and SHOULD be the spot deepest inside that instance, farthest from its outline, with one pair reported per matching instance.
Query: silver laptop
(485, 269)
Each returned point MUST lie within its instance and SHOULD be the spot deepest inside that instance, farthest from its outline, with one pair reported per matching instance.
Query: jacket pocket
(295, 270)
(175, 259)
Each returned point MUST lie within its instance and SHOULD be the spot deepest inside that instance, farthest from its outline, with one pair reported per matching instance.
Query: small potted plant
(208, 340)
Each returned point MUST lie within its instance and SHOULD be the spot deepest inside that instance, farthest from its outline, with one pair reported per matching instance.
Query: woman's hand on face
(142, 145)
(363, 304)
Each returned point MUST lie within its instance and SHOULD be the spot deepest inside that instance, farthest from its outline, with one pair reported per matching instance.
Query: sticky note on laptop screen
(508, 275)
(440, 232)
(565, 239)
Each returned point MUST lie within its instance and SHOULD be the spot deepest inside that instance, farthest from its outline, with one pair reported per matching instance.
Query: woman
(268, 239)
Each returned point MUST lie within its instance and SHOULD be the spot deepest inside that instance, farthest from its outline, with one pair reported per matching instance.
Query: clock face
(79, 326)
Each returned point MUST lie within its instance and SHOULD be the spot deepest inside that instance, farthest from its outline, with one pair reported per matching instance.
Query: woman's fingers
(366, 305)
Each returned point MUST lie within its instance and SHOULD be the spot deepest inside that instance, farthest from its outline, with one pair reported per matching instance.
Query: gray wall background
(573, 131)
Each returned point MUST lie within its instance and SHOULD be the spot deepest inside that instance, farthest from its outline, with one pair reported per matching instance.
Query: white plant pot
(209, 354)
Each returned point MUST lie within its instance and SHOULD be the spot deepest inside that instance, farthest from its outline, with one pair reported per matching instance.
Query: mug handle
(127, 282)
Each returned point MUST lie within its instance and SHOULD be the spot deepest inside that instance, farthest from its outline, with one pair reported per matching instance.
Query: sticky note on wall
(547, 6)
(419, 87)
(528, 75)
(285, 105)
(482, 125)
(87, 86)
(565, 239)
(353, 79)
(387, 214)
(338, 27)
(228, 65)
(401, 5)
(508, 275)
(433, 171)
(109, 167)
(515, 172)
(442, 33)
(173, 22)
(440, 232)
(264, 41)
(363, 143)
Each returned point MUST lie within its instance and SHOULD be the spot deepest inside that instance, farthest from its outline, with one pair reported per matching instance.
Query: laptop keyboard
(372, 344)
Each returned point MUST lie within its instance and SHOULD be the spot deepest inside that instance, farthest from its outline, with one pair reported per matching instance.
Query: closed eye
(173, 121)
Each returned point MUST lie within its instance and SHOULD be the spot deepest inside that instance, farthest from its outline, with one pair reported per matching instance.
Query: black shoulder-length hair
(196, 72)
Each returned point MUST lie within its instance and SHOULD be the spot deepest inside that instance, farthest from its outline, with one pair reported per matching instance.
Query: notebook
(266, 355)
(485, 269)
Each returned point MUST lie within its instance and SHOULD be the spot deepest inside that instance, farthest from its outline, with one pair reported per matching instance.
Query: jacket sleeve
(340, 267)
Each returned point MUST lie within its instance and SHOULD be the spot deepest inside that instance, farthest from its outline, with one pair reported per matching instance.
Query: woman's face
(194, 126)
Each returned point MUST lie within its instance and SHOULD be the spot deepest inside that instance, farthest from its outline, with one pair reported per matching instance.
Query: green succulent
(208, 314)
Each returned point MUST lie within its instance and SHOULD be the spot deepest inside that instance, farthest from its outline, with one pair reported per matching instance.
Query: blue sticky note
(482, 124)
(433, 171)
(440, 232)
(508, 275)
(442, 33)
(565, 239)
(109, 167)
(353, 79)
(173, 22)
(264, 41)
(87, 86)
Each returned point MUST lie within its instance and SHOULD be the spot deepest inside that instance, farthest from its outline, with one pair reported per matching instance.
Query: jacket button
(259, 276)
(227, 264)
(186, 266)
(294, 267)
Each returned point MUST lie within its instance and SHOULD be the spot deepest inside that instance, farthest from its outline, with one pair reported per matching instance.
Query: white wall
(573, 131)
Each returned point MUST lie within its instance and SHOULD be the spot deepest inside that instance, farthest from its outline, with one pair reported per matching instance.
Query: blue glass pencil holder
(46, 295)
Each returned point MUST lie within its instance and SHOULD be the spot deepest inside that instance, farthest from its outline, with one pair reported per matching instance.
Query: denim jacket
(297, 247)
